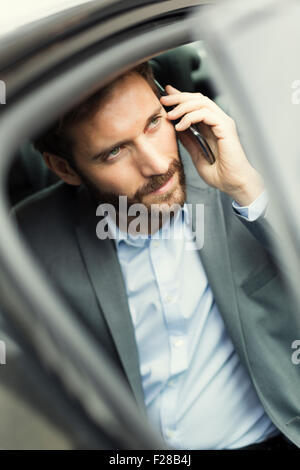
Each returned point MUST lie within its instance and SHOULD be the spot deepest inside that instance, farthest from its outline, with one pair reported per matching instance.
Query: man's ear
(62, 168)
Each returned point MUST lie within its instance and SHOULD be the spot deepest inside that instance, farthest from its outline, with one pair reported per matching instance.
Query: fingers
(191, 105)
(218, 126)
(171, 90)
(194, 108)
(175, 97)
(201, 115)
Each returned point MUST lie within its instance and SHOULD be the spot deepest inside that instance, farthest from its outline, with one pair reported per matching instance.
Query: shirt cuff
(255, 210)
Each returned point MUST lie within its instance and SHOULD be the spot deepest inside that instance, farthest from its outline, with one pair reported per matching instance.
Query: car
(47, 66)
(59, 388)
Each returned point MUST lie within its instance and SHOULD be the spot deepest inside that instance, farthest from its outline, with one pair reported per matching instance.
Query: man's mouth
(165, 187)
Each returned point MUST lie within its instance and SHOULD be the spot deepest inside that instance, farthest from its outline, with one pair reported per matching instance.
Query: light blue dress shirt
(196, 391)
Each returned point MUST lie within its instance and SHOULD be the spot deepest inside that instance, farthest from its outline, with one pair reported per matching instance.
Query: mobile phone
(208, 154)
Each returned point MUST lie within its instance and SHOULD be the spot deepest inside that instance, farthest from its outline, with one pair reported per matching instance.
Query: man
(203, 335)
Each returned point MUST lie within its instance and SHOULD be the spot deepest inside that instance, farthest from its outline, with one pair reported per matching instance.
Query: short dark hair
(57, 139)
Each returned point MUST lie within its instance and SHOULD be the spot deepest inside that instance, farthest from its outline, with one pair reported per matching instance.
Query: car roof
(19, 13)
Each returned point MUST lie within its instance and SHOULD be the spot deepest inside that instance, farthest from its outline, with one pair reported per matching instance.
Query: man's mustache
(158, 180)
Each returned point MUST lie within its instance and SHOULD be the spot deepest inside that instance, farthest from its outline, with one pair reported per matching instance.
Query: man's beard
(154, 183)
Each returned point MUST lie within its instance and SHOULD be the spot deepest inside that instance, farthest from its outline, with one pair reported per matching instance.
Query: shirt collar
(182, 216)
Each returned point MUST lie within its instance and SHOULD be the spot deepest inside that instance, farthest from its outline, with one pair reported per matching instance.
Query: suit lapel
(214, 253)
(104, 270)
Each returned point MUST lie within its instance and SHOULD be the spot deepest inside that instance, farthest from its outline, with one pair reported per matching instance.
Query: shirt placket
(175, 324)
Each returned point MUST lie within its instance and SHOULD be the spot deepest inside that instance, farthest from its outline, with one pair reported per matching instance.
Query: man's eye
(113, 153)
(155, 121)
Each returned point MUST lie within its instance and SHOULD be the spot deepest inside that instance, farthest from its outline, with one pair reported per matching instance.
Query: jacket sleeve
(262, 228)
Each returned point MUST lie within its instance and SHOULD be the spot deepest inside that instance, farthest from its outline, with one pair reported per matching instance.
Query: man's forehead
(129, 105)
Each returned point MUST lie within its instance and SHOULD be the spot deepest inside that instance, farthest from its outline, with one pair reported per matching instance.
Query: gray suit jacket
(59, 224)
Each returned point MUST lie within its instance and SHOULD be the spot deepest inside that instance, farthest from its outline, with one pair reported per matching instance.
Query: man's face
(129, 148)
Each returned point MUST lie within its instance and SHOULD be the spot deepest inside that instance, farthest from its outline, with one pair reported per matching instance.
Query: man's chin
(176, 197)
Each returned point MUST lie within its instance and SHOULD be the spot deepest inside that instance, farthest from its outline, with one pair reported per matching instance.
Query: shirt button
(178, 342)
(155, 244)
(169, 298)
(169, 433)
(171, 383)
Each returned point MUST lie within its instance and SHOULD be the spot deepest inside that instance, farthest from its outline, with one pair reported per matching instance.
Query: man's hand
(231, 172)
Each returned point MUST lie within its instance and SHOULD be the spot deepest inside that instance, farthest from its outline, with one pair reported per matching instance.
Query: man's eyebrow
(104, 151)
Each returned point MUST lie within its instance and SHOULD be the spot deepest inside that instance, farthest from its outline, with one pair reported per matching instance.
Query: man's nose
(150, 160)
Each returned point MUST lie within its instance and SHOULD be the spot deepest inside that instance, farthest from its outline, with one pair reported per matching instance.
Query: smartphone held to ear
(209, 156)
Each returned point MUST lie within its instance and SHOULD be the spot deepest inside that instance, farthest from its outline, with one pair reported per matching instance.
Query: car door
(77, 398)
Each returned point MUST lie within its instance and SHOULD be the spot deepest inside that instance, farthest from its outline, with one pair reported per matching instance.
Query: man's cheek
(119, 186)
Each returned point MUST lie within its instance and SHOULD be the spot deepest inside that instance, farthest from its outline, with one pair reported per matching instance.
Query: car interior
(42, 405)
